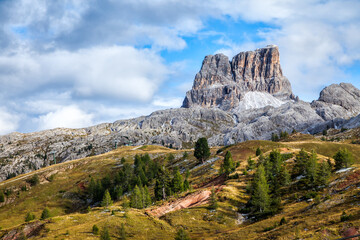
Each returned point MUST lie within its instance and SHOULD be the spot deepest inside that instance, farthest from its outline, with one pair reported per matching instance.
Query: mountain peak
(223, 83)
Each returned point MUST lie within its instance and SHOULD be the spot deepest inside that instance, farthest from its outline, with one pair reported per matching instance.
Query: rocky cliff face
(338, 101)
(221, 83)
(247, 98)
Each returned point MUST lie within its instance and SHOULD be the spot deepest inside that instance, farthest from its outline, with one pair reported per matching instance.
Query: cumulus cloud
(167, 102)
(118, 72)
(8, 121)
(68, 116)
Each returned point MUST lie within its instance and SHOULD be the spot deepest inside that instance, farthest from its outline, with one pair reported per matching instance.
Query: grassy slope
(304, 219)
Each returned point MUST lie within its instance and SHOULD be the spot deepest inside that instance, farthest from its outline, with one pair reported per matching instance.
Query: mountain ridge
(224, 122)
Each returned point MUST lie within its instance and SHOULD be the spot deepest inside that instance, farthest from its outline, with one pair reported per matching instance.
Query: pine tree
(300, 163)
(177, 183)
(258, 151)
(106, 201)
(274, 137)
(213, 202)
(162, 184)
(324, 173)
(186, 185)
(277, 174)
(29, 217)
(202, 150)
(92, 189)
(143, 178)
(146, 197)
(122, 233)
(181, 234)
(99, 191)
(45, 213)
(228, 165)
(343, 159)
(250, 164)
(118, 192)
(95, 229)
(136, 198)
(105, 235)
(311, 170)
(260, 199)
(2, 196)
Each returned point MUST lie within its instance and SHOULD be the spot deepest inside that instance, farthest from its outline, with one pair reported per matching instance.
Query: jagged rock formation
(223, 84)
(247, 98)
(338, 101)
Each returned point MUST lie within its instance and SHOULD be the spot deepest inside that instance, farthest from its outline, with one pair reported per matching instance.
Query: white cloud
(8, 122)
(118, 72)
(67, 116)
(167, 102)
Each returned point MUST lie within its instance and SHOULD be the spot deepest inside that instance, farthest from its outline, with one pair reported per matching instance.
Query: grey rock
(223, 84)
(338, 101)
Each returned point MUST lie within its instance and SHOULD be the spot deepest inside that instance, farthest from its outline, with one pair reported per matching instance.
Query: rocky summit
(230, 101)
(223, 83)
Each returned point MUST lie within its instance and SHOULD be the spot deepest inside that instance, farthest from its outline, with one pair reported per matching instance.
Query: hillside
(63, 189)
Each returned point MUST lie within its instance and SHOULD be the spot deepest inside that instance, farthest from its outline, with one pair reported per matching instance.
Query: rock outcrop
(338, 101)
(223, 84)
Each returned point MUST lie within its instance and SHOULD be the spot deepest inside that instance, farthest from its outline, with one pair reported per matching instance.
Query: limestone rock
(338, 101)
(223, 84)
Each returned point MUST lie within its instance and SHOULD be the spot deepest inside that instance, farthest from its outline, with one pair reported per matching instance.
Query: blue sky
(76, 63)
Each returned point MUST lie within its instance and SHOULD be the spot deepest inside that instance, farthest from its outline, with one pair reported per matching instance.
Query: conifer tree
(118, 192)
(181, 234)
(136, 198)
(99, 191)
(202, 150)
(29, 217)
(146, 197)
(228, 165)
(92, 189)
(162, 184)
(213, 202)
(250, 164)
(311, 170)
(45, 213)
(300, 163)
(143, 178)
(186, 185)
(343, 159)
(177, 183)
(260, 199)
(105, 235)
(258, 151)
(2, 196)
(106, 201)
(274, 137)
(122, 233)
(324, 173)
(277, 174)
(95, 229)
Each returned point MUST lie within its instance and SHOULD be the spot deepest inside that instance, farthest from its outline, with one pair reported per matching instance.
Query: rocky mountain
(223, 83)
(338, 101)
(247, 98)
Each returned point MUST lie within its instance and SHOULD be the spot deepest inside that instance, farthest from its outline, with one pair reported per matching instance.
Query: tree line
(272, 177)
(136, 180)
